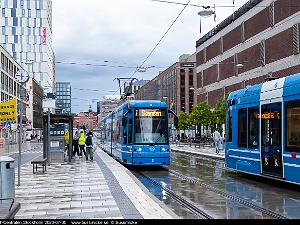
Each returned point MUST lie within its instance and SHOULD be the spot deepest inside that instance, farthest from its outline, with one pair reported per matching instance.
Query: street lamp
(22, 76)
(206, 12)
(239, 65)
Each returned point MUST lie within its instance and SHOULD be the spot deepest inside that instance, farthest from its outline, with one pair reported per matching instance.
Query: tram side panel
(242, 145)
(116, 134)
(291, 134)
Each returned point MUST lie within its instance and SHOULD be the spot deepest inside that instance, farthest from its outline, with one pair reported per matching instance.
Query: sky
(116, 36)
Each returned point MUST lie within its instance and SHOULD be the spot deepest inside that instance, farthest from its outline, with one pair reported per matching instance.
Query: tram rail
(192, 208)
(227, 195)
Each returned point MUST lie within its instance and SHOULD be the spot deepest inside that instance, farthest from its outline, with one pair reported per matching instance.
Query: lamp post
(22, 76)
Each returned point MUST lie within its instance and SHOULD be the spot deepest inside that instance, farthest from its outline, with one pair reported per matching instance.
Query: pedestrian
(38, 138)
(89, 146)
(67, 138)
(217, 140)
(81, 143)
(75, 144)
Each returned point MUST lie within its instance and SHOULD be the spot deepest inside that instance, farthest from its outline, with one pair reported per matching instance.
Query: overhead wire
(148, 56)
(104, 65)
(217, 6)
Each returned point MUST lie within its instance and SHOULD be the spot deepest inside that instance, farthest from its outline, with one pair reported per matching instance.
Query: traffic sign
(7, 125)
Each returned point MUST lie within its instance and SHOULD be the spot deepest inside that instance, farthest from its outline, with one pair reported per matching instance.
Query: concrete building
(34, 106)
(107, 105)
(63, 98)
(9, 86)
(174, 84)
(260, 39)
(27, 35)
(136, 85)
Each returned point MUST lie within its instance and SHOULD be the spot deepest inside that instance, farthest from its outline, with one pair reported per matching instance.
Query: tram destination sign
(149, 113)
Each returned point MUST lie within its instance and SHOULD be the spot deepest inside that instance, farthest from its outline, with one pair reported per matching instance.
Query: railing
(205, 141)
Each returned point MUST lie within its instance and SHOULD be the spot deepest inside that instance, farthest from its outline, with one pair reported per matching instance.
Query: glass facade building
(26, 33)
(63, 98)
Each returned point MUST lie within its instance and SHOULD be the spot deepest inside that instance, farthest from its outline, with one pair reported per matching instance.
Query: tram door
(271, 150)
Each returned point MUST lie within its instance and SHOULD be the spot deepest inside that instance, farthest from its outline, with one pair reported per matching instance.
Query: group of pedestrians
(83, 144)
(216, 137)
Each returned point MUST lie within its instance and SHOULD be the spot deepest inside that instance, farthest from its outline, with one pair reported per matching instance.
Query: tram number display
(271, 115)
(149, 113)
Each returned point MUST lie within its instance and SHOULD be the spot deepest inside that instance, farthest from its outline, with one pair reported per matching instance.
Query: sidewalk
(99, 189)
(206, 151)
(26, 146)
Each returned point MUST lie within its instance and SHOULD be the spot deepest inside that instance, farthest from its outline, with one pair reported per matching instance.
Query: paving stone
(77, 190)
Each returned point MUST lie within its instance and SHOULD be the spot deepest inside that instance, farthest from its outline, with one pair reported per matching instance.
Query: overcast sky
(121, 33)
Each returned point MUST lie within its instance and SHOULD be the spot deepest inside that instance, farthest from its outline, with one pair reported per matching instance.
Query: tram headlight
(165, 149)
(139, 149)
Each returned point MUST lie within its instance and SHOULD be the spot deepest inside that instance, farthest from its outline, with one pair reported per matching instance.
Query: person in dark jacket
(75, 144)
(89, 146)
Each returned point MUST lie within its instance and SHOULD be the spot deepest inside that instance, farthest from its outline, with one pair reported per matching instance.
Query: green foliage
(201, 114)
(220, 113)
(183, 121)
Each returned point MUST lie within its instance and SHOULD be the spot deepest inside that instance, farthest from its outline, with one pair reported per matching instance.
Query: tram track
(229, 196)
(190, 206)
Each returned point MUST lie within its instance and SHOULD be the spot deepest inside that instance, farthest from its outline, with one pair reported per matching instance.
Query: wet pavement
(273, 195)
(83, 190)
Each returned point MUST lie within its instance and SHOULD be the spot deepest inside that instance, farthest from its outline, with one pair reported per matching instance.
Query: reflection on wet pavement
(272, 195)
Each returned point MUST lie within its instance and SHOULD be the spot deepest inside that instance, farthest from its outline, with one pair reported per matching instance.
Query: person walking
(75, 144)
(89, 146)
(81, 143)
(38, 138)
(217, 140)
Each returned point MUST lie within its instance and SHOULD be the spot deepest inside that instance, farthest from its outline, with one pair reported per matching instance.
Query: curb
(199, 153)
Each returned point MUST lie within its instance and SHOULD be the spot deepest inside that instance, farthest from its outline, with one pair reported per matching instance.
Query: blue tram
(263, 129)
(137, 133)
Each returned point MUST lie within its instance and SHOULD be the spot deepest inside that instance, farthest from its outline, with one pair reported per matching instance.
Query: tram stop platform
(205, 151)
(99, 189)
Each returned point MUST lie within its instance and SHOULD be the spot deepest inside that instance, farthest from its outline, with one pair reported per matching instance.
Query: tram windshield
(151, 126)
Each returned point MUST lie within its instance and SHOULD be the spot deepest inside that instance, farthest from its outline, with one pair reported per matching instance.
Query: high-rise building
(26, 33)
(63, 98)
(175, 85)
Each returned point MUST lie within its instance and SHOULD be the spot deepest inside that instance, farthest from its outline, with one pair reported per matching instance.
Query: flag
(215, 16)
(172, 106)
(200, 24)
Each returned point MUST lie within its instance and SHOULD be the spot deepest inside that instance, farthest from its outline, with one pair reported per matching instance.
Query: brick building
(175, 84)
(260, 39)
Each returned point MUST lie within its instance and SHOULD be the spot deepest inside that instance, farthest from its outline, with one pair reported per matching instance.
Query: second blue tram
(263, 129)
(137, 133)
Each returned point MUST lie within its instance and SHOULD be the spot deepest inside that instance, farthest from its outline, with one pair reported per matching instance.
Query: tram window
(242, 129)
(124, 125)
(229, 124)
(253, 126)
(271, 124)
(130, 131)
(293, 127)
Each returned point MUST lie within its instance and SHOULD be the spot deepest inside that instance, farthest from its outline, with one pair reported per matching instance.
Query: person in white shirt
(217, 139)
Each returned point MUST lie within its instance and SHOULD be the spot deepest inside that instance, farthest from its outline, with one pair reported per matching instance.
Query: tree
(200, 115)
(183, 121)
(220, 113)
